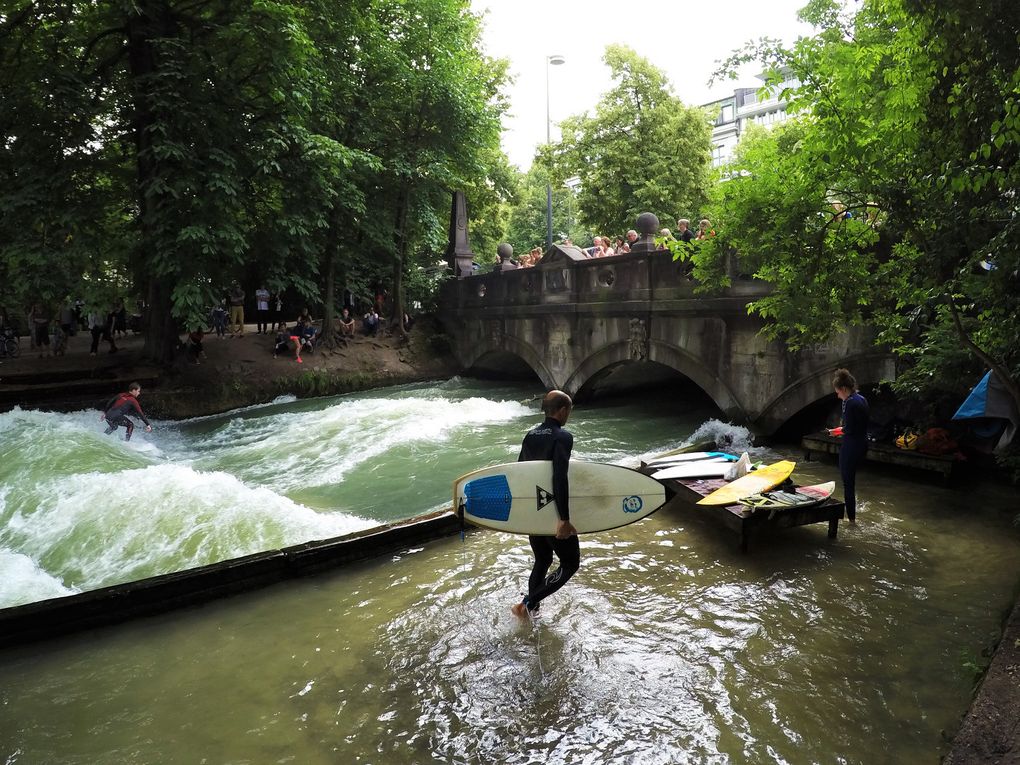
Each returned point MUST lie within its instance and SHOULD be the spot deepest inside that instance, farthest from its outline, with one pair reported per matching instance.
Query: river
(668, 647)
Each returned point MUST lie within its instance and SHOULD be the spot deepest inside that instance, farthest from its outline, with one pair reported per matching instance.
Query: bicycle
(9, 345)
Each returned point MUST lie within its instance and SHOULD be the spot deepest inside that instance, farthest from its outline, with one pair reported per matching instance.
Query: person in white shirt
(262, 310)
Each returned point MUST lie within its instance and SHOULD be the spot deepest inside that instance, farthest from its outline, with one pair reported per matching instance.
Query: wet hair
(554, 401)
(134, 386)
(843, 379)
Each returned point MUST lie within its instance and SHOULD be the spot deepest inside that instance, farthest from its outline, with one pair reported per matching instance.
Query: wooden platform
(884, 453)
(747, 523)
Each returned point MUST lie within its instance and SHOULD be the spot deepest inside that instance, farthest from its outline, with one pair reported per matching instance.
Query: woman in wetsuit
(854, 444)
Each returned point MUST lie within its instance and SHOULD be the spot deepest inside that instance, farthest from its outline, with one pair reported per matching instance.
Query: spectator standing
(96, 323)
(262, 310)
(67, 318)
(59, 340)
(684, 233)
(218, 317)
(704, 230)
(40, 322)
(236, 296)
(110, 326)
(276, 309)
(120, 319)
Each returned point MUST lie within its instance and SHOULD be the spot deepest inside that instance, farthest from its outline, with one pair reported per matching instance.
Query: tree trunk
(327, 337)
(149, 20)
(397, 320)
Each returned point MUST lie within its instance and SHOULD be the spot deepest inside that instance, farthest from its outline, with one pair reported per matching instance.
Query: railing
(652, 277)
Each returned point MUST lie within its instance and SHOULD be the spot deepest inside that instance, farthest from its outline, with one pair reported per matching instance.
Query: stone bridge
(588, 325)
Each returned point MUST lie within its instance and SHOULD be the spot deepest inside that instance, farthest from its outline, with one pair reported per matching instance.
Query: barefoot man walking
(549, 441)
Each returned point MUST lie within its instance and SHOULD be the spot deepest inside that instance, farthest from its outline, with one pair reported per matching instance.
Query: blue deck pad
(488, 498)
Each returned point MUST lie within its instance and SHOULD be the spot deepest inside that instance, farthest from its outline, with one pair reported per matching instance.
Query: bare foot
(520, 611)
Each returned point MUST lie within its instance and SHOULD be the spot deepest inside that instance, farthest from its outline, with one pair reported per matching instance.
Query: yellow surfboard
(760, 480)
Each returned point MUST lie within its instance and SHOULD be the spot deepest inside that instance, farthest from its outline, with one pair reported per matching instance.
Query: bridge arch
(509, 346)
(867, 369)
(666, 354)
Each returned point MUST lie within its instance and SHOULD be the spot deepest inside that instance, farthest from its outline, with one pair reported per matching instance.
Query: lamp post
(555, 60)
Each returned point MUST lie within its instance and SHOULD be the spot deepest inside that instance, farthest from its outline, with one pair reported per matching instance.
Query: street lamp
(555, 60)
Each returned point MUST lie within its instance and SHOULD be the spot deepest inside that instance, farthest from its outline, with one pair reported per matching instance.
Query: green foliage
(526, 226)
(642, 150)
(184, 144)
(909, 122)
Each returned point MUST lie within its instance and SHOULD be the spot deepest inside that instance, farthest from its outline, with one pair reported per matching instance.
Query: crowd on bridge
(604, 246)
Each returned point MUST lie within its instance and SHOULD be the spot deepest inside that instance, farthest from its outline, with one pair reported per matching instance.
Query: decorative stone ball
(506, 251)
(648, 223)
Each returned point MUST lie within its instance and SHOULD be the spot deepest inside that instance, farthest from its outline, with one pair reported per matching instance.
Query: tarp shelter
(989, 405)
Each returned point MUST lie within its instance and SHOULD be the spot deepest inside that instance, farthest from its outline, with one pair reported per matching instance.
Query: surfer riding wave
(118, 409)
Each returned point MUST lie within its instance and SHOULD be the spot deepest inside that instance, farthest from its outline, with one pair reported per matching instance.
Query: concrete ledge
(990, 733)
(110, 605)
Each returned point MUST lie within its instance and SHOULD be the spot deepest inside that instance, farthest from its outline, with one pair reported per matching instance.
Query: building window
(727, 113)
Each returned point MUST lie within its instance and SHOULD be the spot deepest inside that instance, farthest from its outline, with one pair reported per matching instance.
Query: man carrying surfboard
(549, 441)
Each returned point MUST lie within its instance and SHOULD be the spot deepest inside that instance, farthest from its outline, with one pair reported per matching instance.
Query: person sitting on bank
(346, 324)
(308, 334)
(285, 341)
(195, 351)
(370, 322)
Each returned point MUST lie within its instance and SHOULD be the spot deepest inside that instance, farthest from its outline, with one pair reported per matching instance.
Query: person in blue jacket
(549, 441)
(854, 445)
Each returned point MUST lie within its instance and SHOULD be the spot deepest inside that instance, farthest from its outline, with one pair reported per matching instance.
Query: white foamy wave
(96, 529)
(22, 581)
(318, 448)
(728, 437)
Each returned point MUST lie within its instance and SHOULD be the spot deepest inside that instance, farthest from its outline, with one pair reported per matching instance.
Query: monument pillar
(458, 251)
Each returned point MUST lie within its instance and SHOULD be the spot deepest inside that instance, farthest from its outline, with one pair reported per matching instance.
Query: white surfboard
(692, 457)
(710, 468)
(518, 497)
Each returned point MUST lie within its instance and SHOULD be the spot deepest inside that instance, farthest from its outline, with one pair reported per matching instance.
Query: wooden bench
(884, 453)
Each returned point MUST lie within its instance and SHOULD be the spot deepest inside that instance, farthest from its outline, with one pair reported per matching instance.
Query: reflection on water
(667, 647)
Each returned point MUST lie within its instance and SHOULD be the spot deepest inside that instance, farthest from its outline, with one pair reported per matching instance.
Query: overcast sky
(683, 38)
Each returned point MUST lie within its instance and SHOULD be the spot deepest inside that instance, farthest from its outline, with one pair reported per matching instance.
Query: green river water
(669, 646)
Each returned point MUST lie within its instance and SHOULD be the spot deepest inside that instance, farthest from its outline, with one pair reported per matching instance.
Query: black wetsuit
(852, 448)
(550, 442)
(117, 412)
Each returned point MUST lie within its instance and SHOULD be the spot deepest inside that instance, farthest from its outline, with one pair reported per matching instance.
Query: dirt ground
(233, 371)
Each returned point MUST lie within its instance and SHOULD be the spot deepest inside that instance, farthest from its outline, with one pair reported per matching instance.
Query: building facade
(744, 107)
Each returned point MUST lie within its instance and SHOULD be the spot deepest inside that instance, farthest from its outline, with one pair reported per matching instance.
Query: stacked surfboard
(760, 480)
(692, 465)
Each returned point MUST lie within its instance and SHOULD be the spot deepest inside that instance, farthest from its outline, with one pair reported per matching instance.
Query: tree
(526, 226)
(642, 150)
(910, 120)
(179, 145)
